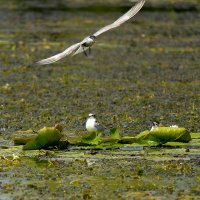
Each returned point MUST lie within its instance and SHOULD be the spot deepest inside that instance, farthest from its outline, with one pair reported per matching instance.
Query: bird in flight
(93, 126)
(87, 42)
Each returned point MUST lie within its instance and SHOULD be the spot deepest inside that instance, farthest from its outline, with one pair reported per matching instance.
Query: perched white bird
(174, 126)
(93, 126)
(155, 125)
(90, 40)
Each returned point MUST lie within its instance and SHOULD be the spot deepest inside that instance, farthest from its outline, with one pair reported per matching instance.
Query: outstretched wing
(59, 56)
(134, 10)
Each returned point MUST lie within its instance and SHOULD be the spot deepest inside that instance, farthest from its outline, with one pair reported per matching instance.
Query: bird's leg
(89, 50)
(85, 51)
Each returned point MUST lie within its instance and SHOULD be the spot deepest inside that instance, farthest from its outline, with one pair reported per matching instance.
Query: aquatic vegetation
(47, 136)
(162, 135)
(90, 139)
(195, 135)
(114, 134)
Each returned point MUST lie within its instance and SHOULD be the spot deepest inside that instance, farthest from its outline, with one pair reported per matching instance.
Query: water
(146, 70)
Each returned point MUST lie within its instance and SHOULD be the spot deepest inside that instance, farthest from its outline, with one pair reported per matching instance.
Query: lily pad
(113, 138)
(162, 135)
(114, 133)
(47, 136)
(195, 135)
(128, 140)
(23, 141)
(90, 139)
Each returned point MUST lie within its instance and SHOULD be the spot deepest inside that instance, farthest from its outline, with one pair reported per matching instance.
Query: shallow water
(146, 70)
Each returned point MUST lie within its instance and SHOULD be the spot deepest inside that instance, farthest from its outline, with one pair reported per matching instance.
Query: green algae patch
(162, 135)
(47, 136)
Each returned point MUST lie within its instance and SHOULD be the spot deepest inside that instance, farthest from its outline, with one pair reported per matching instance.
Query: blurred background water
(145, 70)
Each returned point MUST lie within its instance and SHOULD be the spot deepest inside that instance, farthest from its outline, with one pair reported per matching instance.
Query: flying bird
(93, 126)
(87, 42)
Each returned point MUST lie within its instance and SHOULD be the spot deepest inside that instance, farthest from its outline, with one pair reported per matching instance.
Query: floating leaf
(114, 134)
(195, 135)
(23, 141)
(128, 140)
(169, 134)
(176, 144)
(142, 135)
(162, 135)
(113, 138)
(47, 136)
(91, 139)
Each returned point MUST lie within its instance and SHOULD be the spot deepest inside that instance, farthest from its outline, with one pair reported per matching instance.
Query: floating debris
(15, 157)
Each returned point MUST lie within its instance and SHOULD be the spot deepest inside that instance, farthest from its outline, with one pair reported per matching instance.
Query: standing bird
(93, 126)
(154, 125)
(90, 40)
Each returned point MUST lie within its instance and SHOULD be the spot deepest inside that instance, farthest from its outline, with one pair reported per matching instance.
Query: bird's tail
(106, 130)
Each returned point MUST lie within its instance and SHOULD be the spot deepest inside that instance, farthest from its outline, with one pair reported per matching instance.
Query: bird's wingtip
(41, 62)
(38, 63)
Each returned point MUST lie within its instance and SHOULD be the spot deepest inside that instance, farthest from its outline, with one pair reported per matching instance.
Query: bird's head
(155, 123)
(92, 37)
(91, 115)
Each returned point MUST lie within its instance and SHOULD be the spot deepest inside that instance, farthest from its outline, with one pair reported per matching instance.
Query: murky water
(146, 70)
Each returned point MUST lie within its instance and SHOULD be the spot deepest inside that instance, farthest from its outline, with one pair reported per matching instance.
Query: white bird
(155, 125)
(93, 126)
(174, 126)
(87, 42)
